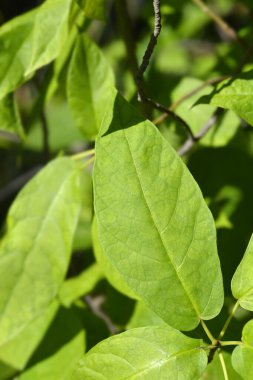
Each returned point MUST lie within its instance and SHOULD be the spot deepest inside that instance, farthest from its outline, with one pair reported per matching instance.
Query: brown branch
(188, 145)
(144, 64)
(149, 51)
(179, 101)
(227, 29)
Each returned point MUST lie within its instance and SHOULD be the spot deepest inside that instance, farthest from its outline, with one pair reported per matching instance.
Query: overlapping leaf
(242, 357)
(90, 84)
(34, 255)
(242, 282)
(31, 41)
(153, 223)
(148, 353)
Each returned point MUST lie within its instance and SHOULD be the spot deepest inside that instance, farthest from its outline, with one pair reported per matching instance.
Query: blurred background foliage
(192, 49)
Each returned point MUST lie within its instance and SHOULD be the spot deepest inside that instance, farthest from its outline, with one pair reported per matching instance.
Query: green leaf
(62, 346)
(90, 84)
(143, 316)
(34, 254)
(242, 357)
(235, 94)
(31, 41)
(148, 353)
(242, 281)
(112, 275)
(153, 223)
(80, 285)
(94, 9)
(10, 122)
(18, 350)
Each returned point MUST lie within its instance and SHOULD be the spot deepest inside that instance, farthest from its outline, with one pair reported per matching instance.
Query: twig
(149, 51)
(95, 306)
(187, 146)
(223, 365)
(144, 64)
(179, 101)
(227, 29)
(16, 184)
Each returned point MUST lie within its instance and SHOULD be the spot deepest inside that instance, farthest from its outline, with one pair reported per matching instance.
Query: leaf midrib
(157, 229)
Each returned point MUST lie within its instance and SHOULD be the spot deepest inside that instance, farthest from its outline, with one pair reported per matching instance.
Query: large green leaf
(90, 83)
(235, 94)
(153, 222)
(112, 275)
(60, 349)
(242, 357)
(34, 254)
(17, 351)
(31, 41)
(10, 119)
(145, 353)
(242, 281)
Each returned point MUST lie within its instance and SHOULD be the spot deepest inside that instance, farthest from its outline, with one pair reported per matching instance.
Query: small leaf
(148, 353)
(153, 223)
(112, 275)
(31, 41)
(242, 281)
(10, 119)
(80, 285)
(235, 94)
(242, 357)
(90, 85)
(58, 353)
(35, 253)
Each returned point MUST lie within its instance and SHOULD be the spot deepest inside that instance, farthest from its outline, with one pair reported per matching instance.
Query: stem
(208, 333)
(87, 163)
(149, 51)
(231, 343)
(224, 328)
(80, 155)
(223, 365)
(227, 29)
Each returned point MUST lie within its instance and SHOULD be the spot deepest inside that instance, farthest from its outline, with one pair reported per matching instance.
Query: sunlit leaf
(153, 223)
(41, 224)
(149, 353)
(242, 357)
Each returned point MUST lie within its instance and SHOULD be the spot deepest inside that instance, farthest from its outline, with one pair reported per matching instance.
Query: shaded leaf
(59, 352)
(154, 353)
(31, 41)
(10, 119)
(242, 281)
(89, 87)
(94, 9)
(235, 94)
(242, 357)
(153, 223)
(34, 254)
(80, 285)
(18, 350)
(214, 370)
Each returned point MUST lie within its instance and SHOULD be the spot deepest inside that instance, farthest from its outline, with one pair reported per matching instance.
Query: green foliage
(242, 357)
(143, 353)
(112, 246)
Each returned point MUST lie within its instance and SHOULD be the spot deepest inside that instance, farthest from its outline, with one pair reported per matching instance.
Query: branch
(227, 29)
(144, 64)
(149, 51)
(188, 145)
